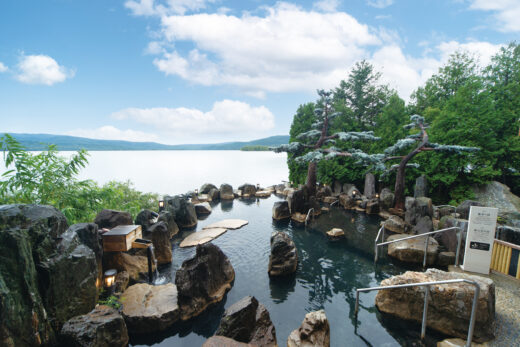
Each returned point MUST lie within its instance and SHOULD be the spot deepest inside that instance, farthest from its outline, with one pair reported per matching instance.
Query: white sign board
(480, 239)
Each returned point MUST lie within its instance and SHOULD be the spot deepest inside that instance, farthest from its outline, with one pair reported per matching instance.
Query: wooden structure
(506, 258)
(121, 238)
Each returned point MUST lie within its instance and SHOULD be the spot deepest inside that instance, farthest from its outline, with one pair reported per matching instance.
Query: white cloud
(109, 132)
(41, 69)
(506, 12)
(152, 7)
(326, 5)
(288, 49)
(3, 68)
(225, 117)
(380, 3)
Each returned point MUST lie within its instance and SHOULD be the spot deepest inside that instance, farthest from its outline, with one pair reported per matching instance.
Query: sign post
(480, 239)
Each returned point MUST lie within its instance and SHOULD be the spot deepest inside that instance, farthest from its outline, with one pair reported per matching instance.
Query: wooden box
(120, 238)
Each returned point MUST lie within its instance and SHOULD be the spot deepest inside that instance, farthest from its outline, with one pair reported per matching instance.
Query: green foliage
(112, 301)
(49, 179)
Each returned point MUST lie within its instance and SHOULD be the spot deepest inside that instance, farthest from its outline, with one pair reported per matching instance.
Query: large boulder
(396, 224)
(508, 234)
(370, 186)
(412, 250)
(324, 192)
(449, 238)
(416, 208)
(299, 201)
(281, 210)
(203, 280)
(421, 187)
(28, 236)
(169, 218)
(89, 236)
(148, 308)
(247, 189)
(284, 257)
(214, 194)
(134, 264)
(160, 237)
(347, 201)
(183, 210)
(111, 218)
(386, 198)
(465, 206)
(450, 304)
(206, 188)
(69, 280)
(248, 321)
(314, 331)
(222, 341)
(102, 327)
(496, 194)
(203, 208)
(145, 218)
(226, 192)
(424, 225)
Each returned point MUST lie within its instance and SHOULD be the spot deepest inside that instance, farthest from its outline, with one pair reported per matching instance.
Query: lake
(176, 172)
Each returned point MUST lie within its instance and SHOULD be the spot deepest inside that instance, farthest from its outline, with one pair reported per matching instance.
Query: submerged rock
(102, 327)
(284, 257)
(203, 280)
(450, 304)
(112, 218)
(148, 308)
(336, 233)
(281, 210)
(228, 224)
(248, 321)
(222, 341)
(412, 251)
(226, 192)
(314, 331)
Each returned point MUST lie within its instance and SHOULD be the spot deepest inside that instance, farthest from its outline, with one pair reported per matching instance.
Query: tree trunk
(311, 179)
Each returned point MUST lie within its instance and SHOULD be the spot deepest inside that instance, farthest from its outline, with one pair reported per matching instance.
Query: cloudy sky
(201, 71)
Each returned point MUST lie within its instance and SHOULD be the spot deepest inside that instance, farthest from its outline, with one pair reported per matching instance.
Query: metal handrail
(308, 214)
(454, 207)
(335, 202)
(425, 307)
(376, 245)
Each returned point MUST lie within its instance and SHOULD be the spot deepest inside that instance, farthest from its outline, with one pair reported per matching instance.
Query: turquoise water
(327, 277)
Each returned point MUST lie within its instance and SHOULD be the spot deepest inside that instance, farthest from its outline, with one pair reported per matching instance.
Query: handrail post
(473, 314)
(356, 308)
(459, 241)
(425, 251)
(425, 311)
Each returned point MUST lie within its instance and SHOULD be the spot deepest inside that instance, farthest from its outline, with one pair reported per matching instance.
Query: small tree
(423, 146)
(318, 144)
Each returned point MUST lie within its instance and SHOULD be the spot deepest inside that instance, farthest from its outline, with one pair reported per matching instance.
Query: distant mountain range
(38, 142)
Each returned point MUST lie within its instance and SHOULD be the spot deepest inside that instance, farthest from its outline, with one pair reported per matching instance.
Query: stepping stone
(201, 237)
(228, 224)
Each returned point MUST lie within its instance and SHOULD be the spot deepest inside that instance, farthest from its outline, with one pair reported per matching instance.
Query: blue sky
(201, 71)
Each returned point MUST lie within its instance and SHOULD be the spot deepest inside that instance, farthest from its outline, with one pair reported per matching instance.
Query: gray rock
(347, 201)
(421, 187)
(247, 189)
(102, 327)
(314, 331)
(418, 208)
(214, 194)
(450, 304)
(222, 341)
(203, 208)
(281, 210)
(446, 258)
(183, 210)
(226, 192)
(145, 218)
(112, 218)
(284, 257)
(395, 224)
(464, 207)
(424, 225)
(148, 308)
(412, 250)
(206, 188)
(248, 321)
(169, 218)
(386, 198)
(337, 188)
(496, 194)
(160, 236)
(508, 234)
(299, 201)
(370, 186)
(203, 280)
(449, 238)
(121, 282)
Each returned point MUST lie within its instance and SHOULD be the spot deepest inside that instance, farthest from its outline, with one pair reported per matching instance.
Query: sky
(204, 71)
